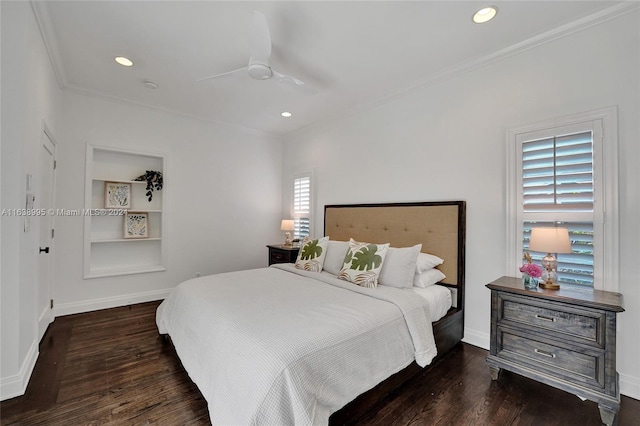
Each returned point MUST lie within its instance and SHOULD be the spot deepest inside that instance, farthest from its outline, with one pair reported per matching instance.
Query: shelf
(142, 182)
(106, 252)
(123, 240)
(101, 273)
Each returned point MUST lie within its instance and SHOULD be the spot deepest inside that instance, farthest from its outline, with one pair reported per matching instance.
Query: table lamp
(550, 240)
(287, 225)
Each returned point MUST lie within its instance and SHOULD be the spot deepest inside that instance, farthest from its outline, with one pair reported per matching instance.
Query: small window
(302, 206)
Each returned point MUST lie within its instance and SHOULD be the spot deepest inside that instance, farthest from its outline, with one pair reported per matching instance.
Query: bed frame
(440, 228)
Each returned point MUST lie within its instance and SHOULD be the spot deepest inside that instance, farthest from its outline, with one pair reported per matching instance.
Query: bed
(283, 345)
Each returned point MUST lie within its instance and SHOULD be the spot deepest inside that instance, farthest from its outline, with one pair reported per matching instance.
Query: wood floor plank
(111, 367)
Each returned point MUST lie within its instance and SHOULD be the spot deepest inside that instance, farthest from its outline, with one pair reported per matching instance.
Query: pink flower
(532, 270)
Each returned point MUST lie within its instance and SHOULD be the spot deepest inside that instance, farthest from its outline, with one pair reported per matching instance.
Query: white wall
(222, 197)
(30, 96)
(222, 187)
(446, 141)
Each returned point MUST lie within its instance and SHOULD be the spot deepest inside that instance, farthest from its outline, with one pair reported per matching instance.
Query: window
(556, 177)
(302, 206)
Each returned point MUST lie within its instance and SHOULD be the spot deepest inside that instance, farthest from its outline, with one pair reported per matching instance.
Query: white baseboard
(45, 318)
(109, 302)
(630, 386)
(13, 386)
(476, 338)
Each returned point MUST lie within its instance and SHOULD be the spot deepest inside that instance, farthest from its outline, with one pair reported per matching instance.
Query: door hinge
(53, 233)
(51, 303)
(55, 164)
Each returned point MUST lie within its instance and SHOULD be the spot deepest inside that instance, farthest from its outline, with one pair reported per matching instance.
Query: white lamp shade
(286, 225)
(550, 240)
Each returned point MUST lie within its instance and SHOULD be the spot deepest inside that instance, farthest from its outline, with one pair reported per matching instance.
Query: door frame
(46, 316)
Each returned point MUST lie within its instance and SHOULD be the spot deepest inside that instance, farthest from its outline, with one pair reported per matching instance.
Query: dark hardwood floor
(111, 367)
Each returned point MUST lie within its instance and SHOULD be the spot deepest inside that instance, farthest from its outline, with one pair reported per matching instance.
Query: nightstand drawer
(579, 324)
(279, 257)
(579, 366)
(282, 254)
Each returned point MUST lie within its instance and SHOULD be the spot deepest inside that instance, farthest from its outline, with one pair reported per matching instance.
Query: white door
(45, 201)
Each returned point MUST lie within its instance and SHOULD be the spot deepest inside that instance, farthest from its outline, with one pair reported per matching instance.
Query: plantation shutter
(558, 173)
(557, 178)
(575, 267)
(301, 206)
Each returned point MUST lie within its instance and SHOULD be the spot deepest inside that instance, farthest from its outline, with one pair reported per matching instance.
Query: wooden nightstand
(565, 338)
(279, 253)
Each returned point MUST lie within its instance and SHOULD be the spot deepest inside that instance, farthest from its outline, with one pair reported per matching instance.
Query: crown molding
(78, 90)
(43, 19)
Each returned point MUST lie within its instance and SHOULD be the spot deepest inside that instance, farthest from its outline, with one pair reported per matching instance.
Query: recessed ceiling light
(286, 114)
(125, 62)
(485, 14)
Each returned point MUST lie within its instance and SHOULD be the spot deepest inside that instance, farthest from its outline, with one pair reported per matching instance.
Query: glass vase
(530, 283)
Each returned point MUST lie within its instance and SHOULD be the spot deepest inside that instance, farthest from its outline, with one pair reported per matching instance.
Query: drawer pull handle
(545, 353)
(542, 317)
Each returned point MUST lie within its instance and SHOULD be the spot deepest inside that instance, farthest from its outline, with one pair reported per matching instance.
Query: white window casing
(538, 192)
(302, 204)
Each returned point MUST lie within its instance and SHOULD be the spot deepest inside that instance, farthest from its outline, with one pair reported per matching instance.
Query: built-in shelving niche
(106, 251)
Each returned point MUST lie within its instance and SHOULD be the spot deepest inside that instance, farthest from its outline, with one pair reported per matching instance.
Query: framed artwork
(117, 195)
(136, 225)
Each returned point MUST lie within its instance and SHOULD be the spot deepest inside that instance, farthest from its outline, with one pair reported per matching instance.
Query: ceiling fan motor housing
(259, 71)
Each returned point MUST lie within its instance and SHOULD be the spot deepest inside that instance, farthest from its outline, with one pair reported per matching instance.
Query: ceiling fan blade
(259, 39)
(224, 73)
(292, 83)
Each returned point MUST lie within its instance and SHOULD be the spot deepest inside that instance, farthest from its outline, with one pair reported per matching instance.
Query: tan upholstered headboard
(438, 226)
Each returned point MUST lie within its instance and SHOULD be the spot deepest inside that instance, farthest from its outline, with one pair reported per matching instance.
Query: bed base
(448, 332)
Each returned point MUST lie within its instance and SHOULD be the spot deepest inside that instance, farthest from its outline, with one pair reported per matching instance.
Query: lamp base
(549, 286)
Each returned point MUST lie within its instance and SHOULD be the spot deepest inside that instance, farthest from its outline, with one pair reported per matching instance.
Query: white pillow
(427, 261)
(312, 253)
(427, 278)
(336, 251)
(399, 266)
(438, 298)
(363, 262)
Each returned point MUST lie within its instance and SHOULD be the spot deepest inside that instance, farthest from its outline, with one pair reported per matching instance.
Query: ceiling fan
(260, 51)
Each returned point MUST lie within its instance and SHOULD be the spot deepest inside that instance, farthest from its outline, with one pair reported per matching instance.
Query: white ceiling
(354, 54)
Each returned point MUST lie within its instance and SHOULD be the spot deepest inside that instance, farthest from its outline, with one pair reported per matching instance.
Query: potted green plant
(154, 182)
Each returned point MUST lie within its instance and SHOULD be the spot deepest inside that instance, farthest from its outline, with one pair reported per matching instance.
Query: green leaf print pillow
(312, 253)
(363, 262)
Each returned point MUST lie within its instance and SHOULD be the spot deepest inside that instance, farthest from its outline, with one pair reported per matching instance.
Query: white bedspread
(280, 346)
